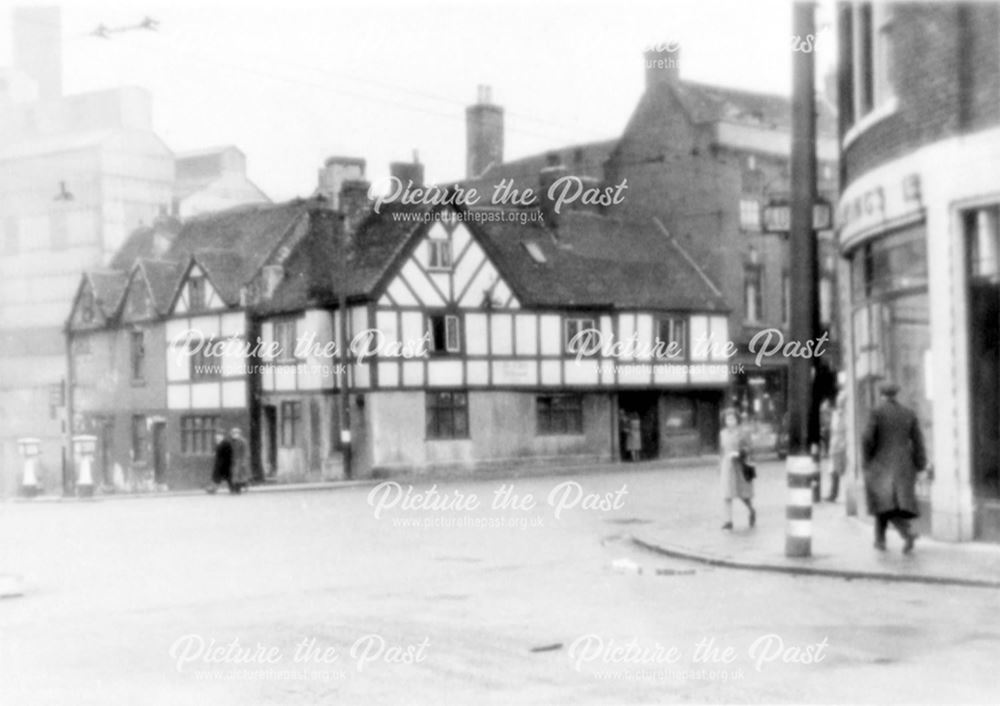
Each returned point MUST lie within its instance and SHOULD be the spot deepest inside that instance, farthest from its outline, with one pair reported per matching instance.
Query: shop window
(439, 254)
(983, 242)
(581, 336)
(446, 333)
(139, 435)
(891, 263)
(447, 415)
(753, 293)
(291, 423)
(672, 336)
(559, 414)
(198, 434)
(679, 414)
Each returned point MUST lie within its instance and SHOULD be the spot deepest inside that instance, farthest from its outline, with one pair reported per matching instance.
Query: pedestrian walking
(736, 468)
(634, 436)
(223, 466)
(241, 465)
(838, 445)
(893, 454)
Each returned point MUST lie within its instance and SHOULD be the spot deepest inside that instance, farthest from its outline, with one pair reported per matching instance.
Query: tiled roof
(108, 288)
(705, 104)
(234, 244)
(163, 278)
(140, 243)
(592, 260)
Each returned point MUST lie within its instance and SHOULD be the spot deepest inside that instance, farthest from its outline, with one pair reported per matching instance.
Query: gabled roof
(223, 271)
(590, 261)
(108, 288)
(163, 278)
(246, 235)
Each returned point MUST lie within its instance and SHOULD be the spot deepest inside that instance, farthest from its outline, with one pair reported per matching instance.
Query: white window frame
(439, 254)
(579, 323)
(750, 214)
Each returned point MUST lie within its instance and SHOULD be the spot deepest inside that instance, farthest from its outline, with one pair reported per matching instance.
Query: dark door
(159, 452)
(270, 439)
(708, 423)
(646, 406)
(984, 374)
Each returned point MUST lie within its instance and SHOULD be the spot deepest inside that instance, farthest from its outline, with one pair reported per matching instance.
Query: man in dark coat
(222, 470)
(893, 449)
(240, 465)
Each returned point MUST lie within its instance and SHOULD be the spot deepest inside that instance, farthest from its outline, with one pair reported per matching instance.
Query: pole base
(798, 512)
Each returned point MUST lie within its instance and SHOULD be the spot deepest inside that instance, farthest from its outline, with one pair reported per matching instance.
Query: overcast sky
(294, 82)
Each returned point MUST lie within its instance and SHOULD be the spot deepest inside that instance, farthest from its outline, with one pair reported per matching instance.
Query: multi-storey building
(918, 217)
(710, 166)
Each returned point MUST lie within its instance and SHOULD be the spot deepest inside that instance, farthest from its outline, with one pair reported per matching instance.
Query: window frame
(196, 285)
(140, 438)
(753, 272)
(577, 320)
(439, 255)
(286, 355)
(451, 332)
(672, 320)
(748, 205)
(290, 423)
(554, 417)
(441, 417)
(198, 434)
(137, 355)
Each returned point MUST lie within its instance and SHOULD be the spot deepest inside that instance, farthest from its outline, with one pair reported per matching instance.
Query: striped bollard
(798, 513)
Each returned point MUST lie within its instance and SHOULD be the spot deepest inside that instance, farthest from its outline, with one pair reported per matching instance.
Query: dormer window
(439, 254)
(196, 294)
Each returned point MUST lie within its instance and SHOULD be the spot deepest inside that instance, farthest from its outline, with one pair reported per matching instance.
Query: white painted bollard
(30, 450)
(84, 448)
(798, 512)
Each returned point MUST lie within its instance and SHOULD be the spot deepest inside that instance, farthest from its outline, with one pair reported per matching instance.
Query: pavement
(842, 546)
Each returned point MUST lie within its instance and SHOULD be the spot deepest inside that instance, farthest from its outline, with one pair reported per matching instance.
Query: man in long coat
(222, 469)
(893, 449)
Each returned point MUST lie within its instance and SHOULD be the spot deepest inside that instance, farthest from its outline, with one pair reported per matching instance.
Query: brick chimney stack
(663, 63)
(483, 134)
(353, 202)
(408, 171)
(336, 171)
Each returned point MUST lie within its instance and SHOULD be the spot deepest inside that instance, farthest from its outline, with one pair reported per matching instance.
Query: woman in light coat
(734, 449)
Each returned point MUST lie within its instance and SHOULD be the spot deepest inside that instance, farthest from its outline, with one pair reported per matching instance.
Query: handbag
(749, 469)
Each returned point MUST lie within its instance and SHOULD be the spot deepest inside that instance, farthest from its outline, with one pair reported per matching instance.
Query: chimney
(38, 48)
(408, 171)
(336, 171)
(353, 202)
(663, 63)
(165, 230)
(483, 134)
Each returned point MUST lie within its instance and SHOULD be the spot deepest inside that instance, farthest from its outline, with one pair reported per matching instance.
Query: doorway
(159, 452)
(270, 440)
(645, 407)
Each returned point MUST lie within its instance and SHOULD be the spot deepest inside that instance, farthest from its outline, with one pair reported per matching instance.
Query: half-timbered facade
(472, 344)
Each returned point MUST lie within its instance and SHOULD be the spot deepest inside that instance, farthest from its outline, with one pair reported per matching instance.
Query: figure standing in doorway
(634, 436)
(241, 462)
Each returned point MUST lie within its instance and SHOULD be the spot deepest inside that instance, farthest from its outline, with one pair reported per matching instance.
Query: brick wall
(946, 59)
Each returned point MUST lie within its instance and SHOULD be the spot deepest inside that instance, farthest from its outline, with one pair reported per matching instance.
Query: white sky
(291, 83)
